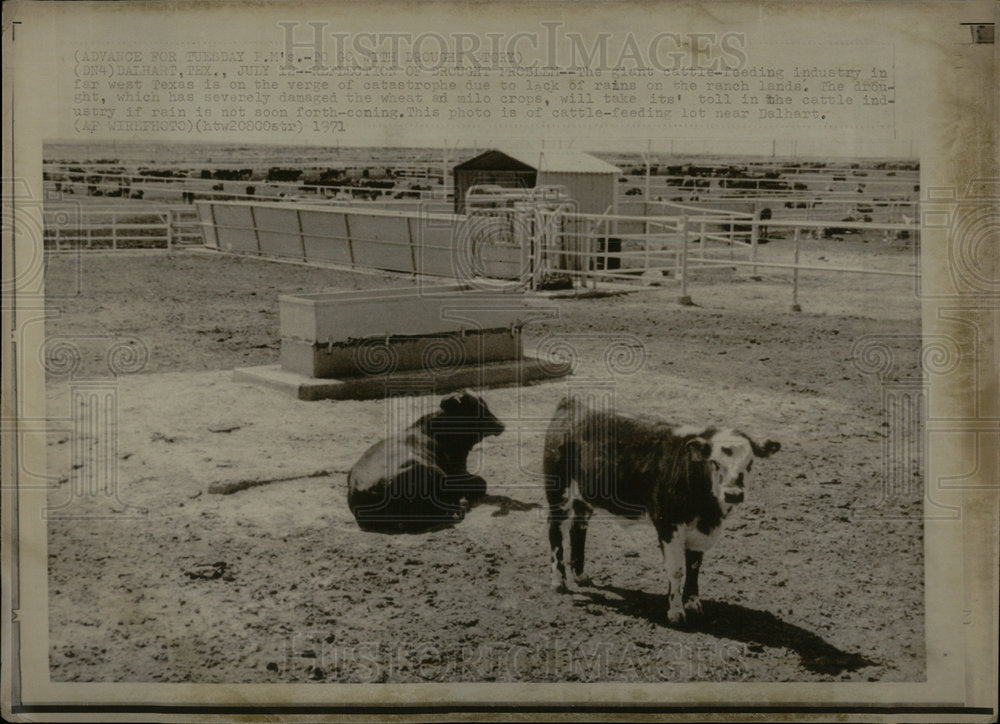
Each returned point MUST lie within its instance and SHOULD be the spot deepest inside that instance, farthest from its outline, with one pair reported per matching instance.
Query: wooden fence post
(302, 234)
(256, 232)
(732, 232)
(350, 241)
(684, 298)
(795, 275)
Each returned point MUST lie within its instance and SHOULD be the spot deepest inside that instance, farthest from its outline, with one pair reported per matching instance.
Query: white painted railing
(85, 227)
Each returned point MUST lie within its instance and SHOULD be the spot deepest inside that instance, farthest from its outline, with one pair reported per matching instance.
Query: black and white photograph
(633, 360)
(269, 476)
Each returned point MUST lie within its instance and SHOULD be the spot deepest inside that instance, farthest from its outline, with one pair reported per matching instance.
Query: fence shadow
(738, 623)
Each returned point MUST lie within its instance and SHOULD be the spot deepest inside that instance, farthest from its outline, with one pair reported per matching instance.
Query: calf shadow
(739, 623)
(505, 505)
(432, 522)
(410, 526)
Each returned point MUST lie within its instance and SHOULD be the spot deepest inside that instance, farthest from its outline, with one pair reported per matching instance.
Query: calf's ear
(767, 449)
(699, 449)
(452, 404)
(474, 405)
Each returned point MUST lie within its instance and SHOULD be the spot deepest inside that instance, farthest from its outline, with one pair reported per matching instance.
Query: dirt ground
(819, 576)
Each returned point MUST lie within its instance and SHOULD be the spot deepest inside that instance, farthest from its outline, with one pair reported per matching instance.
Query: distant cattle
(764, 215)
(686, 481)
(418, 478)
(283, 174)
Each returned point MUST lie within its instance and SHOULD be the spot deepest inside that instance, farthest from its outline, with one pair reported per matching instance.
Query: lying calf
(417, 478)
(686, 482)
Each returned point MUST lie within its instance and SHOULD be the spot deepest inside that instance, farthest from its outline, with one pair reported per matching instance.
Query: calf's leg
(578, 541)
(557, 516)
(692, 604)
(554, 468)
(672, 546)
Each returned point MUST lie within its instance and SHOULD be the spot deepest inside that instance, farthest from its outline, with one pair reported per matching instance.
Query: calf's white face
(729, 464)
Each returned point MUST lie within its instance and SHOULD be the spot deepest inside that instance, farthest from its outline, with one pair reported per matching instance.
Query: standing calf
(417, 478)
(686, 481)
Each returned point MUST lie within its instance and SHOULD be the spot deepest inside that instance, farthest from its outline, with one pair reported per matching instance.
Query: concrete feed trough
(356, 333)
(372, 343)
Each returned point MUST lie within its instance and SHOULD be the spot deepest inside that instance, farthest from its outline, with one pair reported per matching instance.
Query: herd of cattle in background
(127, 202)
(881, 191)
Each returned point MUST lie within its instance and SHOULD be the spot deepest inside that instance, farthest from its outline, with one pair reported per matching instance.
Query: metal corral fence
(75, 227)
(613, 247)
(814, 227)
(526, 242)
(828, 191)
(412, 242)
(597, 249)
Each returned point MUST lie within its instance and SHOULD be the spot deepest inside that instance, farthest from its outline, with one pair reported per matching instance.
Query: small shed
(591, 182)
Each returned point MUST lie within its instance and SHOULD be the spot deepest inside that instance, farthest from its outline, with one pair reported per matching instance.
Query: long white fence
(823, 194)
(526, 242)
(412, 242)
(797, 228)
(76, 227)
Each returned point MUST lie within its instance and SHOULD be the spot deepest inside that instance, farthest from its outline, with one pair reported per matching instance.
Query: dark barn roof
(543, 160)
(525, 167)
(493, 160)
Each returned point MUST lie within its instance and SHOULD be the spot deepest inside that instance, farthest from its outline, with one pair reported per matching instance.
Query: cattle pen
(224, 546)
(529, 244)
(669, 225)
